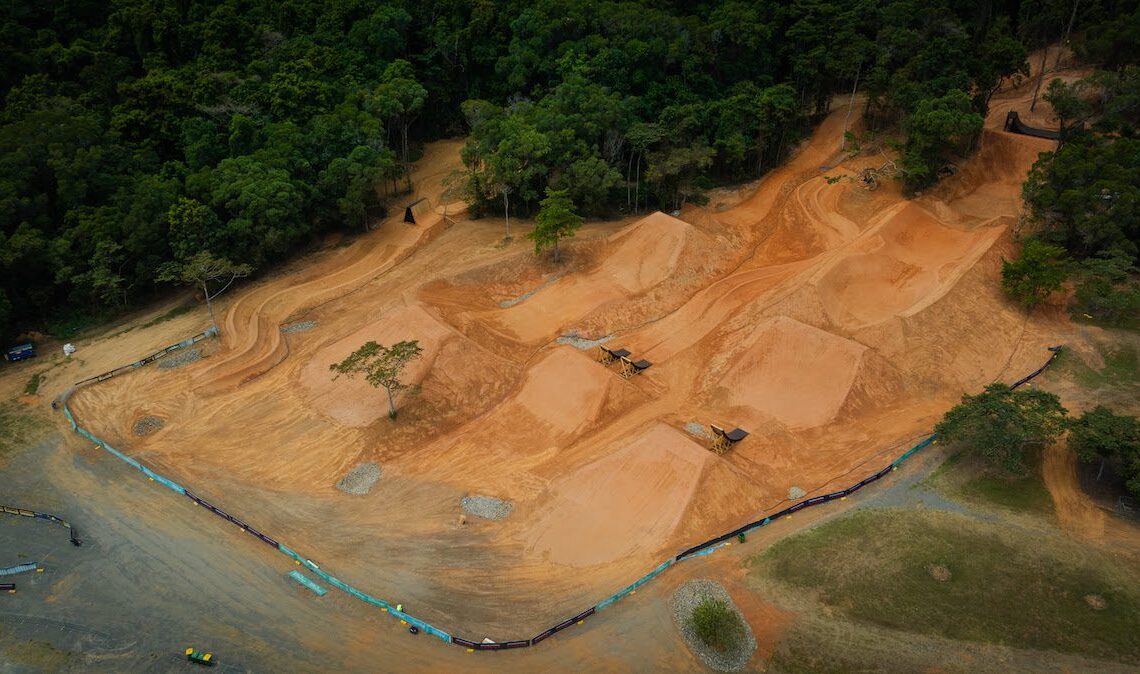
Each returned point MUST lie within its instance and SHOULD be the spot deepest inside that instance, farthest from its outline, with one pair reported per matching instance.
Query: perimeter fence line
(19, 568)
(701, 549)
(72, 532)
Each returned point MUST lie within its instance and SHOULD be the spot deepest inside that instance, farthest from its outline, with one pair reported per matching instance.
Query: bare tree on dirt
(381, 366)
(204, 270)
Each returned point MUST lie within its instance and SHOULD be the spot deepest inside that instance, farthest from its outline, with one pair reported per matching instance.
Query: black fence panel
(540, 636)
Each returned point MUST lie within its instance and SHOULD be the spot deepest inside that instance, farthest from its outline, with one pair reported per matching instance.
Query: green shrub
(717, 625)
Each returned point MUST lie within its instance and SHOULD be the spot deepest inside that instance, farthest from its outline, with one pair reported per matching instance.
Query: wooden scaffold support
(722, 440)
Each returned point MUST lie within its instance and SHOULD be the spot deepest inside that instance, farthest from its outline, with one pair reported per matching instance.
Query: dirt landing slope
(629, 501)
(793, 373)
(908, 262)
(561, 397)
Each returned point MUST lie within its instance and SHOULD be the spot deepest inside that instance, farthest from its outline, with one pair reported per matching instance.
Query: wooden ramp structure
(722, 440)
(1014, 124)
(416, 209)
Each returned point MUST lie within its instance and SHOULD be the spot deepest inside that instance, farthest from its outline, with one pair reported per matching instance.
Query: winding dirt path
(1076, 512)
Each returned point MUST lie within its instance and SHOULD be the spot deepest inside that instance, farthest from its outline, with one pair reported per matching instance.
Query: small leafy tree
(205, 270)
(1001, 423)
(381, 366)
(1040, 269)
(1101, 435)
(556, 220)
(717, 625)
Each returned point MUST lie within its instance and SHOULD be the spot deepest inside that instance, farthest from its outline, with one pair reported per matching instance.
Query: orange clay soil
(833, 323)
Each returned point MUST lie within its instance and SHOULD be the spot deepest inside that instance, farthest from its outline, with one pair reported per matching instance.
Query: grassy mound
(1004, 587)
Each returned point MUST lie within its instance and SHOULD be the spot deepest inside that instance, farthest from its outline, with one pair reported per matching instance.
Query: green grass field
(19, 426)
(1121, 366)
(1024, 494)
(966, 478)
(1006, 586)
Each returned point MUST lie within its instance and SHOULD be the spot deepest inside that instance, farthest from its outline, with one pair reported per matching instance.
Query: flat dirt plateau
(832, 322)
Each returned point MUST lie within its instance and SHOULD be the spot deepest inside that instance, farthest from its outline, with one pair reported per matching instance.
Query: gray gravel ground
(147, 425)
(684, 600)
(303, 326)
(580, 342)
(180, 358)
(359, 480)
(507, 304)
(486, 507)
(693, 428)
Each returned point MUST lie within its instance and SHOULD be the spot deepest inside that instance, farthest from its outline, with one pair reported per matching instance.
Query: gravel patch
(577, 342)
(796, 493)
(303, 326)
(507, 304)
(147, 425)
(359, 480)
(693, 428)
(486, 507)
(684, 600)
(180, 358)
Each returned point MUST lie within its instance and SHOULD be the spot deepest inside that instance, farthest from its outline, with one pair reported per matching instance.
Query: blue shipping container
(20, 352)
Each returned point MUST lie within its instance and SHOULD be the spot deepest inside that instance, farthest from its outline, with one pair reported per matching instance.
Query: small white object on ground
(68, 349)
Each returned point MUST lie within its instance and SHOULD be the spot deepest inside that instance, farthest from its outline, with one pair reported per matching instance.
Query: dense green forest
(135, 133)
(1083, 200)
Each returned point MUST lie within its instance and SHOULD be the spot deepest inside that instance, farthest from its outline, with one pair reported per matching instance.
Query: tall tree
(1038, 270)
(556, 220)
(1100, 435)
(204, 270)
(1069, 108)
(399, 98)
(381, 366)
(939, 129)
(1001, 424)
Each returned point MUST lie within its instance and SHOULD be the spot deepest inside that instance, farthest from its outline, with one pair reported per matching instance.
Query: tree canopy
(137, 132)
(1083, 199)
(1001, 424)
(1100, 435)
(382, 366)
(555, 221)
(1038, 270)
(203, 270)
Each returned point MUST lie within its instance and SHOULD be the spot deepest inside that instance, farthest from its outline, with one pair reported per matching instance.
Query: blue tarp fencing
(304, 580)
(698, 550)
(19, 568)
